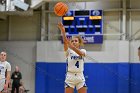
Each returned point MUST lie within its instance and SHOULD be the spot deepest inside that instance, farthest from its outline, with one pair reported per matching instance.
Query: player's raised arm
(65, 40)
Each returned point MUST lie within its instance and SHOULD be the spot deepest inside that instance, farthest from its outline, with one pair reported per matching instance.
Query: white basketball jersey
(75, 63)
(3, 67)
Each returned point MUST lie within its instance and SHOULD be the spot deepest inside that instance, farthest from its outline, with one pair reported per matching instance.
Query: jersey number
(77, 64)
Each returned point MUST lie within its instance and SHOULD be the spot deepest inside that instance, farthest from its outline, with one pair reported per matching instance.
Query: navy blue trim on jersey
(67, 65)
(85, 85)
(66, 85)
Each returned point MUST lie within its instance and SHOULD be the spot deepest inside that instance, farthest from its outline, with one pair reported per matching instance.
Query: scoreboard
(86, 23)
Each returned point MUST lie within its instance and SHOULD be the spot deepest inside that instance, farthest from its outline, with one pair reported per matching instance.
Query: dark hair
(139, 48)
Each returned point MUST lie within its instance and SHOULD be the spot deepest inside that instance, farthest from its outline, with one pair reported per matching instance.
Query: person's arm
(68, 43)
(8, 67)
(20, 76)
(65, 40)
(8, 78)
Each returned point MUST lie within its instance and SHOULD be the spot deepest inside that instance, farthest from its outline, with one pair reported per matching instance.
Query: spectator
(139, 52)
(16, 76)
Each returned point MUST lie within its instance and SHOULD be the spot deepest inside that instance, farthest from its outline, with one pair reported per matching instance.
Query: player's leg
(81, 86)
(82, 90)
(69, 83)
(69, 90)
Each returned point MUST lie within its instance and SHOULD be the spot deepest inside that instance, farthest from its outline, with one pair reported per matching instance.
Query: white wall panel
(113, 51)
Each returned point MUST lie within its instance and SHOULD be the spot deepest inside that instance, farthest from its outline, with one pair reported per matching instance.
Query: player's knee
(82, 90)
(69, 90)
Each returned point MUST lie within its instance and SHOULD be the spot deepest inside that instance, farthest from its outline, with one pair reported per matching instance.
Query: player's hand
(5, 87)
(61, 27)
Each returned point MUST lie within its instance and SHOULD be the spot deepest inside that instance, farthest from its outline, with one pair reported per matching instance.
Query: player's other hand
(5, 87)
(61, 27)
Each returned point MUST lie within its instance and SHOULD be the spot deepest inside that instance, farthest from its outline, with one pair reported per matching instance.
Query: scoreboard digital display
(87, 23)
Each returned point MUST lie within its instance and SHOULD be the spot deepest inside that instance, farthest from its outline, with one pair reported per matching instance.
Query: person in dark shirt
(139, 53)
(16, 76)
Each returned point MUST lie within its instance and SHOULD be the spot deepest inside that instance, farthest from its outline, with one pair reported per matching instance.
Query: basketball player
(75, 58)
(4, 65)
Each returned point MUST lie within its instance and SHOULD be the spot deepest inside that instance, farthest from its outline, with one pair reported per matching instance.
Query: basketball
(60, 9)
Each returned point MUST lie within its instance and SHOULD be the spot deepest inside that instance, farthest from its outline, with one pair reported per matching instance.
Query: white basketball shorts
(75, 80)
(2, 83)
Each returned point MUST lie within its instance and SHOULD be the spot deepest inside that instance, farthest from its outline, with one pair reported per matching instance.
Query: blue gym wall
(100, 77)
